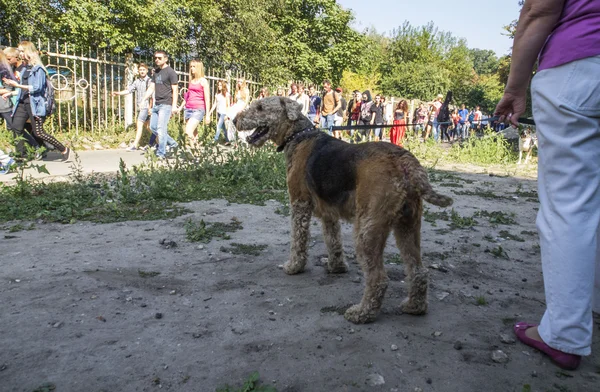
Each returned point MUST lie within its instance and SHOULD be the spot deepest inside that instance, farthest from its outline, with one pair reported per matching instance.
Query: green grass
(148, 274)
(150, 191)
(153, 191)
(244, 249)
(497, 217)
(481, 301)
(205, 232)
(250, 385)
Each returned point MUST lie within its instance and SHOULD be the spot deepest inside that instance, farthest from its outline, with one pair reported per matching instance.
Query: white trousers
(4, 158)
(566, 109)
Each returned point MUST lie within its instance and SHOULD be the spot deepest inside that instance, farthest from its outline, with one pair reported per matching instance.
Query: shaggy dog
(378, 186)
(527, 142)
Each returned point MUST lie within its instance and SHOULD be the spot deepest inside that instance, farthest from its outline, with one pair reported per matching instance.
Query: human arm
(175, 91)
(338, 99)
(536, 22)
(149, 91)
(206, 88)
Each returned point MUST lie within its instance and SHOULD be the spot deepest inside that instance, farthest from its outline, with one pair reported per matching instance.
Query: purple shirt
(576, 34)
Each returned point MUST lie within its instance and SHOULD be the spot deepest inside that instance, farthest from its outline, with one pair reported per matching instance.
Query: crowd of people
(156, 89)
(24, 104)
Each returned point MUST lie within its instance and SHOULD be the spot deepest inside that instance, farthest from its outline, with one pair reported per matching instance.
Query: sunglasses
(158, 57)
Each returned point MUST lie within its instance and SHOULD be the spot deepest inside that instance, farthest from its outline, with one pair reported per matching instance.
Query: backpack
(471, 117)
(49, 97)
(365, 111)
(444, 113)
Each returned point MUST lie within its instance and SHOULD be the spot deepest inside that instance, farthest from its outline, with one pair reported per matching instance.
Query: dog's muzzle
(258, 133)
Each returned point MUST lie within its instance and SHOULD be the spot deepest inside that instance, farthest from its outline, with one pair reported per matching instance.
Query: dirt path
(84, 310)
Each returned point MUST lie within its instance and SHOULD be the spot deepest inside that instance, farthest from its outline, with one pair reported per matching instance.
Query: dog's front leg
(301, 214)
(333, 240)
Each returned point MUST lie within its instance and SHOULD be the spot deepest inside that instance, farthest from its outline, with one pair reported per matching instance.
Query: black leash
(522, 120)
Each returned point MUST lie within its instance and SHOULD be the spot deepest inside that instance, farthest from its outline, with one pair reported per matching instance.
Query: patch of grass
(497, 217)
(489, 238)
(461, 222)
(336, 309)
(481, 301)
(205, 232)
(148, 274)
(529, 194)
(492, 148)
(244, 249)
(150, 191)
(432, 217)
(250, 385)
(452, 185)
(437, 255)
(525, 232)
(483, 193)
(20, 227)
(526, 388)
(283, 210)
(508, 236)
(498, 252)
(393, 258)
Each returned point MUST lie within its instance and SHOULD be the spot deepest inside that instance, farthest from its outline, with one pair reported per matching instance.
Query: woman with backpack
(31, 98)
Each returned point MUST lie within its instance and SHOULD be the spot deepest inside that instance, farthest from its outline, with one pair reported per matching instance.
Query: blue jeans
(465, 130)
(435, 130)
(327, 122)
(221, 125)
(158, 125)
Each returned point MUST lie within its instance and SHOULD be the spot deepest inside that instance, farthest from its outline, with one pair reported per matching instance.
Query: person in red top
(398, 131)
(194, 101)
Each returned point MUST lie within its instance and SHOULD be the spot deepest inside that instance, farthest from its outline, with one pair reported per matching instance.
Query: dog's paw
(338, 268)
(358, 315)
(291, 268)
(413, 307)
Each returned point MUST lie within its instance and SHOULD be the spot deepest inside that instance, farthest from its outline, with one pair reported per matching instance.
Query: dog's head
(272, 118)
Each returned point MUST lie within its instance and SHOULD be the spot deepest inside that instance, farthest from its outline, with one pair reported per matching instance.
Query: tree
(485, 62)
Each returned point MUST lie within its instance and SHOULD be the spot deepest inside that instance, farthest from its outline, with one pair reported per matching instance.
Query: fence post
(129, 76)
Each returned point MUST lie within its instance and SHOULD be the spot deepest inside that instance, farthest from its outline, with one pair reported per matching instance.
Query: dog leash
(522, 120)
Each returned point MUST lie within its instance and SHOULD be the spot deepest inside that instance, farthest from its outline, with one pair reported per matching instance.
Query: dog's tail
(437, 199)
(417, 176)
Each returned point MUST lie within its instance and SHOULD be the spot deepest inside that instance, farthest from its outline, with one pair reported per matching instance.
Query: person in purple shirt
(566, 106)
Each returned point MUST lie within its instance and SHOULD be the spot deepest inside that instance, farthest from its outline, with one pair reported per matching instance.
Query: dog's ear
(292, 108)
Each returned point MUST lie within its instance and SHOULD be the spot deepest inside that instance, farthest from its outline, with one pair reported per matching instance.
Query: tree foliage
(272, 40)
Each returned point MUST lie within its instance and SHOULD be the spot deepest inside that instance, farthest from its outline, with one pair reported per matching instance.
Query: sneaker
(131, 148)
(66, 155)
(5, 169)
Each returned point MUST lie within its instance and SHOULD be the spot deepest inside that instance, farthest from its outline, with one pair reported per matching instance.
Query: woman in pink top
(194, 101)
(566, 107)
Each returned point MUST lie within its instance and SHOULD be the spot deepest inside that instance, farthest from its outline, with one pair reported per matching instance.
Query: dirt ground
(83, 308)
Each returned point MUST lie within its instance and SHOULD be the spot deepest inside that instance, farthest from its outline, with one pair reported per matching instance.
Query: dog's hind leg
(408, 239)
(301, 214)
(370, 242)
(333, 239)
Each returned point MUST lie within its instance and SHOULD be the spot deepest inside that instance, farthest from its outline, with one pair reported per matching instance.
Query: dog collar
(292, 137)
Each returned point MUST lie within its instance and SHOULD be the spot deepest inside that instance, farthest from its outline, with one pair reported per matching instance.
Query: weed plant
(492, 148)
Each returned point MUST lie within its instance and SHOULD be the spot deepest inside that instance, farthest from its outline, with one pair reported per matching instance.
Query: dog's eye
(259, 107)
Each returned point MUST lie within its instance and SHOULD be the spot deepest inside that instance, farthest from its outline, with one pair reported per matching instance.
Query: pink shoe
(564, 360)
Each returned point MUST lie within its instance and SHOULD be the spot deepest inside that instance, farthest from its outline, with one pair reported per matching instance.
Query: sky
(479, 22)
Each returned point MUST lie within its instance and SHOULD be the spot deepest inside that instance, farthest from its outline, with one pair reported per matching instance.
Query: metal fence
(84, 82)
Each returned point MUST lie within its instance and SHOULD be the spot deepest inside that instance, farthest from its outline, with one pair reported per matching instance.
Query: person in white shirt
(221, 104)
